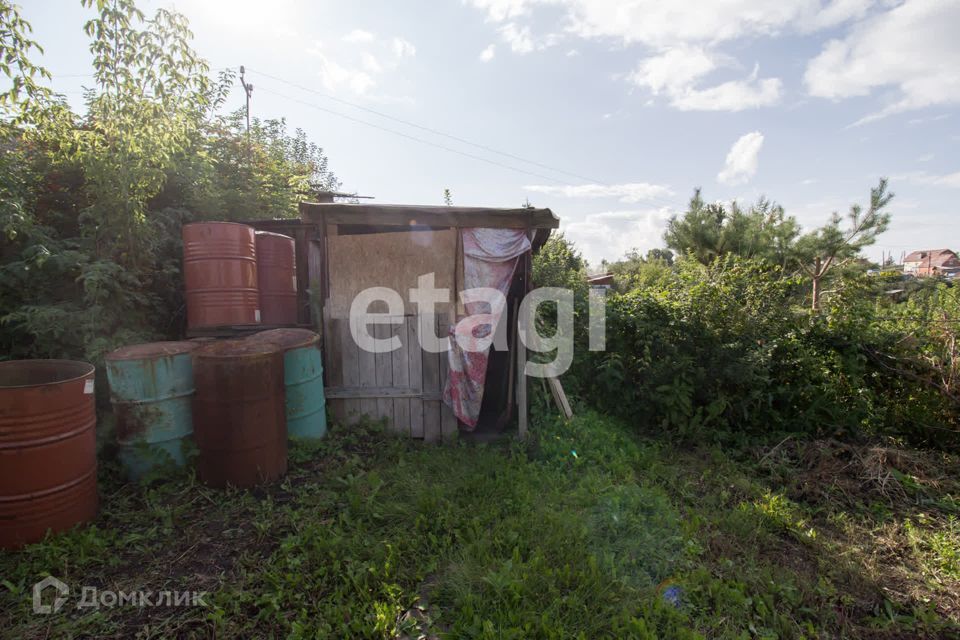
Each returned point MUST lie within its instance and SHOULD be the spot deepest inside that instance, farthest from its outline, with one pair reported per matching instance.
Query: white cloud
(573, 53)
(627, 192)
(683, 36)
(358, 66)
(674, 70)
(403, 48)
(245, 19)
(371, 64)
(834, 13)
(519, 38)
(611, 234)
(336, 77)
(359, 36)
(741, 164)
(951, 180)
(915, 121)
(678, 70)
(487, 54)
(735, 95)
(912, 48)
(500, 10)
(660, 24)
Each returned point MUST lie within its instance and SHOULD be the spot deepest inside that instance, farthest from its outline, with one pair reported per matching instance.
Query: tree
(226, 179)
(709, 231)
(152, 95)
(660, 255)
(830, 247)
(91, 205)
(634, 271)
(559, 264)
(25, 98)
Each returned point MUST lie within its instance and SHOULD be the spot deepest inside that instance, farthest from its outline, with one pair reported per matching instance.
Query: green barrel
(303, 380)
(151, 389)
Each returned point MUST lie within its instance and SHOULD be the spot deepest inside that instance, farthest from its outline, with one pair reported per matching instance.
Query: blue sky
(630, 104)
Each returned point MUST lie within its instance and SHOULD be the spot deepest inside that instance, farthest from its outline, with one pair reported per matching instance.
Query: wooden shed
(346, 248)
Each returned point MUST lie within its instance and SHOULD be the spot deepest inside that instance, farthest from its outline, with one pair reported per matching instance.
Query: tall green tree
(16, 47)
(832, 246)
(559, 264)
(712, 230)
(151, 97)
(226, 178)
(635, 271)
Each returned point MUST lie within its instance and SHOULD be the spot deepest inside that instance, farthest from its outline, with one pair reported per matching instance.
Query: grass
(582, 532)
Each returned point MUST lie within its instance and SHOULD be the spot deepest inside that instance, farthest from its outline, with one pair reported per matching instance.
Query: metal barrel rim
(83, 369)
(286, 339)
(151, 350)
(236, 348)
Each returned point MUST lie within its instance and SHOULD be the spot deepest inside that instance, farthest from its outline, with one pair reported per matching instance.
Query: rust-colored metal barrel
(48, 458)
(220, 274)
(239, 419)
(277, 278)
(303, 379)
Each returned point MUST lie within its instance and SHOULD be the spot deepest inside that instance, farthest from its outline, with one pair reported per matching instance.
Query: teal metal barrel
(303, 380)
(151, 389)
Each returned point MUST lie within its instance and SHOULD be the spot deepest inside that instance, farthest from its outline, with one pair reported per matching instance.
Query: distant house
(601, 281)
(931, 262)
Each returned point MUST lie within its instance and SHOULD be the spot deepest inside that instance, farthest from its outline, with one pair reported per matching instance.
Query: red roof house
(931, 262)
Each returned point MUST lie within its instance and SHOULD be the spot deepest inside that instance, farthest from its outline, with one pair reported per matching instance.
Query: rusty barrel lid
(274, 234)
(236, 348)
(151, 350)
(20, 374)
(285, 339)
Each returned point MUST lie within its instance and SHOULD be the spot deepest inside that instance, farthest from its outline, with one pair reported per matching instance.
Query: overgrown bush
(724, 351)
(92, 204)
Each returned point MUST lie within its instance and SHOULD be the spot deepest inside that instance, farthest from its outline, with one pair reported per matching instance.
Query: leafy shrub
(91, 206)
(724, 351)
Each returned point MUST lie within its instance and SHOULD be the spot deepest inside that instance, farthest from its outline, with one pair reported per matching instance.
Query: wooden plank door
(403, 387)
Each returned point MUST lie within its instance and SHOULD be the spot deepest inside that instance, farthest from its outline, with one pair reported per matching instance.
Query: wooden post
(514, 344)
(522, 403)
(521, 390)
(560, 398)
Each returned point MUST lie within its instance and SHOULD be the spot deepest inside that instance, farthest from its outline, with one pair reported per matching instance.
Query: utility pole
(247, 89)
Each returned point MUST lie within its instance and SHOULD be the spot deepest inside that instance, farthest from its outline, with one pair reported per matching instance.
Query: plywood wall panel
(393, 260)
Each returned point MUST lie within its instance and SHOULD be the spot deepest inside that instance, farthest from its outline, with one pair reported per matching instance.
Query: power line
(429, 129)
(414, 138)
(653, 200)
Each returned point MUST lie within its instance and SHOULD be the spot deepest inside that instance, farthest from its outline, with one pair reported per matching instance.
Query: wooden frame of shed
(345, 248)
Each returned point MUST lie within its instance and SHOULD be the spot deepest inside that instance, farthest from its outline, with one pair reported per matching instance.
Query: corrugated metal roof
(933, 257)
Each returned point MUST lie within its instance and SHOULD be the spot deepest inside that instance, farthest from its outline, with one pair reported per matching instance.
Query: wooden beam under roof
(411, 215)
